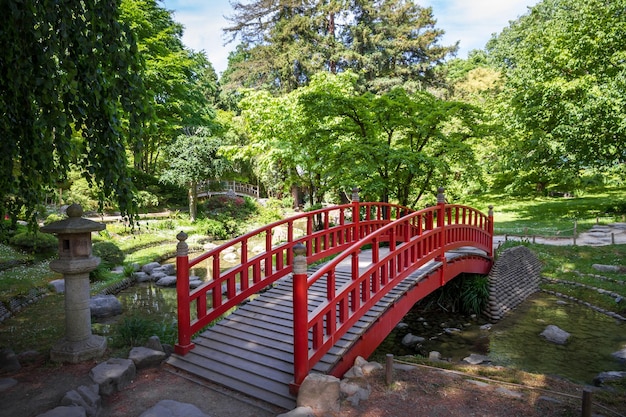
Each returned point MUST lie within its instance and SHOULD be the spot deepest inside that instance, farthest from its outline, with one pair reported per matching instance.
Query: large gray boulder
(104, 306)
(144, 357)
(113, 375)
(320, 392)
(556, 335)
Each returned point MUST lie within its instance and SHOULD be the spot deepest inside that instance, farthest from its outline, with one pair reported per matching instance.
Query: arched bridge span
(386, 258)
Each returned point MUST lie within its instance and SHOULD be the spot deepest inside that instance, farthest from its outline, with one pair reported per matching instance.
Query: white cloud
(472, 22)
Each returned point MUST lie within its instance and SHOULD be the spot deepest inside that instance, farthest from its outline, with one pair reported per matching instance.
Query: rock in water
(556, 335)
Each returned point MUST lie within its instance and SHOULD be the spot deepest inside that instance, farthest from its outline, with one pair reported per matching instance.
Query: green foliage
(54, 217)
(32, 241)
(388, 43)
(192, 159)
(179, 82)
(146, 200)
(109, 253)
(61, 104)
(474, 294)
(81, 193)
(565, 81)
(136, 330)
(395, 146)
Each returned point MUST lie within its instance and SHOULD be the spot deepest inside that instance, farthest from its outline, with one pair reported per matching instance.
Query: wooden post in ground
(389, 369)
(587, 398)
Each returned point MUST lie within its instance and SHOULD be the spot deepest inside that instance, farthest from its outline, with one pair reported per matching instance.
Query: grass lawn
(550, 216)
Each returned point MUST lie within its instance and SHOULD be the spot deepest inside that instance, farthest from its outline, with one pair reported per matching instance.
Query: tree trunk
(193, 200)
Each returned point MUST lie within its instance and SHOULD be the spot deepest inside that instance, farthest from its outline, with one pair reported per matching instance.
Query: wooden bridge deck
(251, 351)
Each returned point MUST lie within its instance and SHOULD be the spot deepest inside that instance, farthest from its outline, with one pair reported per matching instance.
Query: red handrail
(325, 232)
(424, 235)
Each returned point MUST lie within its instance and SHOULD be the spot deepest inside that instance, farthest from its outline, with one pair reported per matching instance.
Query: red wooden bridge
(262, 324)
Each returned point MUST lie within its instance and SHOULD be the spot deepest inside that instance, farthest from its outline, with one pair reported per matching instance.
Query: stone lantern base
(74, 352)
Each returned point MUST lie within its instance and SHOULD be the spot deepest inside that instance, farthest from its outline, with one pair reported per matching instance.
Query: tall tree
(66, 67)
(395, 43)
(389, 42)
(193, 158)
(395, 146)
(565, 79)
(181, 84)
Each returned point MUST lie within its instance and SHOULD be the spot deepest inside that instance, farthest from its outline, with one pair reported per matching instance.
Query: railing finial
(182, 249)
(355, 194)
(490, 213)
(299, 259)
(441, 197)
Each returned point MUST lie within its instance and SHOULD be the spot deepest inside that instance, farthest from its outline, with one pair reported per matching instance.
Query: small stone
(475, 359)
(402, 326)
(410, 340)
(167, 281)
(9, 361)
(155, 343)
(451, 330)
(487, 326)
(620, 355)
(7, 383)
(434, 356)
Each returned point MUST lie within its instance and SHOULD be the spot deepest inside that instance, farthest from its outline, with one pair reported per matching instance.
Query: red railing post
(441, 222)
(184, 344)
(490, 230)
(300, 318)
(356, 214)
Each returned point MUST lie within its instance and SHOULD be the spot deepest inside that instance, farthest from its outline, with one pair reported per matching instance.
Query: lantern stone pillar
(75, 262)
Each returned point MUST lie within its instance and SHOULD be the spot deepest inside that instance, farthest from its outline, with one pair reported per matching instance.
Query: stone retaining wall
(514, 276)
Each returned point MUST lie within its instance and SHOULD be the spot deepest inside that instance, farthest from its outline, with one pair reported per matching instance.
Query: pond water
(515, 341)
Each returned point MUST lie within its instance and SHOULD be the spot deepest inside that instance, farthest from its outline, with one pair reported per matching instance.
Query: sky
(471, 22)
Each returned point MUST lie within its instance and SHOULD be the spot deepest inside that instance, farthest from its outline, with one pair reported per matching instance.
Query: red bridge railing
(324, 232)
(413, 240)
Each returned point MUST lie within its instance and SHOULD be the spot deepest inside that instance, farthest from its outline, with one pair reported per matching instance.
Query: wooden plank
(256, 362)
(280, 398)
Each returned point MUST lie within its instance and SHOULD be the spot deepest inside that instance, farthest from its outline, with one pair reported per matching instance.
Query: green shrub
(109, 253)
(474, 294)
(54, 217)
(136, 330)
(34, 241)
(146, 199)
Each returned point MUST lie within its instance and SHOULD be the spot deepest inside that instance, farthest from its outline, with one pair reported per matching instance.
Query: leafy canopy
(66, 67)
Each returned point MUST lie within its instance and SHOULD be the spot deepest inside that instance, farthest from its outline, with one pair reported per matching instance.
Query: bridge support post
(300, 318)
(441, 225)
(356, 214)
(184, 344)
(490, 229)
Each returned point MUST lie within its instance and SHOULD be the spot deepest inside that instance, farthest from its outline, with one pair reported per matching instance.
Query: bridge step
(251, 350)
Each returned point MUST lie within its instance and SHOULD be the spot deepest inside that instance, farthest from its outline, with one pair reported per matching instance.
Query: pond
(515, 341)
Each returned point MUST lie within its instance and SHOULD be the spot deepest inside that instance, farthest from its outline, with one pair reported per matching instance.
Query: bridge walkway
(251, 350)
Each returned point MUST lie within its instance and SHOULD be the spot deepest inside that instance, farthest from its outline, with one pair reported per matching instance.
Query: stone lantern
(75, 263)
